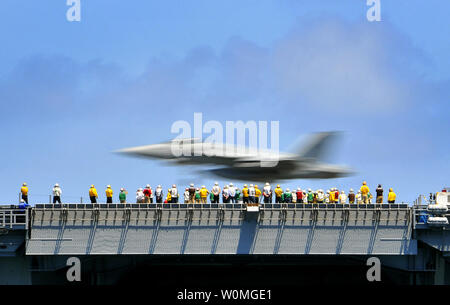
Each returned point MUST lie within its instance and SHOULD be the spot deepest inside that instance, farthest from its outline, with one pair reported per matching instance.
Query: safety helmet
(216, 183)
(92, 185)
(187, 189)
(390, 189)
(148, 186)
(140, 189)
(24, 184)
(299, 189)
(351, 190)
(364, 182)
(192, 184)
(108, 186)
(197, 189)
(121, 189)
(245, 185)
(267, 184)
(256, 186)
(174, 185)
(278, 185)
(203, 186)
(309, 190)
(56, 184)
(287, 190)
(231, 184)
(159, 185)
(251, 185)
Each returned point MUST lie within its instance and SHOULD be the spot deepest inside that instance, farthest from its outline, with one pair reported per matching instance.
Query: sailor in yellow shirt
(332, 196)
(257, 194)
(109, 194)
(169, 196)
(203, 194)
(245, 194)
(24, 192)
(391, 196)
(278, 192)
(93, 194)
(364, 192)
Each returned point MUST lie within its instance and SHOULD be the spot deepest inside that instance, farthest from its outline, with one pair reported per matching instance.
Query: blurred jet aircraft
(249, 164)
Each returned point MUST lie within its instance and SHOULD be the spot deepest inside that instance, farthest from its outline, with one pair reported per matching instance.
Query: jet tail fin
(318, 146)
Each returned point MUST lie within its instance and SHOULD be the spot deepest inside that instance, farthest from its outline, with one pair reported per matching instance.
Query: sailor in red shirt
(148, 194)
(336, 195)
(299, 195)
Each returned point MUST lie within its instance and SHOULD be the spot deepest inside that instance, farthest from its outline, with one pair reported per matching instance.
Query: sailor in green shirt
(287, 196)
(123, 195)
(237, 196)
(197, 195)
(310, 196)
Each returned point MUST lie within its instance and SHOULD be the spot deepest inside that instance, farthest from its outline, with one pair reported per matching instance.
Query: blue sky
(72, 92)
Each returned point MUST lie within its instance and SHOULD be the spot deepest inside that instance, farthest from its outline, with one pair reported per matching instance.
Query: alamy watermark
(74, 11)
(374, 272)
(374, 11)
(73, 274)
(189, 141)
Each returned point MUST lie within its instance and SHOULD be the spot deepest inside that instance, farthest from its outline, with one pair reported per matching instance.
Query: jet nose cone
(149, 151)
(130, 151)
(138, 151)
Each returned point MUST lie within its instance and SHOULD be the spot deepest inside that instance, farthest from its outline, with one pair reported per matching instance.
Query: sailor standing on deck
(365, 192)
(351, 196)
(379, 191)
(24, 192)
(93, 194)
(57, 193)
(299, 196)
(159, 194)
(109, 194)
(287, 196)
(216, 192)
(203, 194)
(123, 195)
(342, 197)
(359, 198)
(174, 194)
(320, 196)
(191, 193)
(140, 197)
(232, 192)
(267, 193)
(257, 194)
(186, 195)
(245, 194)
(391, 196)
(147, 193)
(251, 194)
(278, 193)
(225, 194)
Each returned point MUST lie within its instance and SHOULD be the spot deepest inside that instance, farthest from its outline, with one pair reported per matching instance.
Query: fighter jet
(248, 164)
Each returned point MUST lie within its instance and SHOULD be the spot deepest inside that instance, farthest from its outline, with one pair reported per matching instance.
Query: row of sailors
(252, 194)
(232, 194)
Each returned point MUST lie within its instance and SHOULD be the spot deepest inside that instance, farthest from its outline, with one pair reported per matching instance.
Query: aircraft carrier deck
(307, 243)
